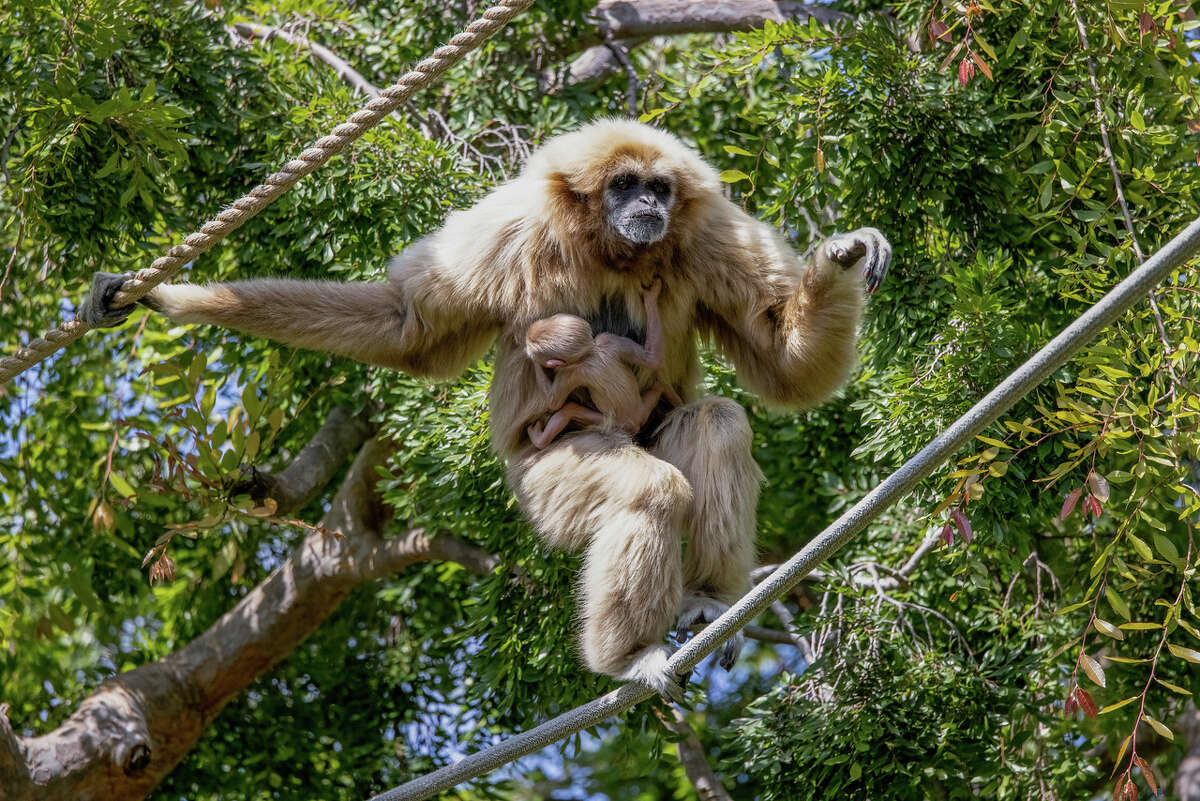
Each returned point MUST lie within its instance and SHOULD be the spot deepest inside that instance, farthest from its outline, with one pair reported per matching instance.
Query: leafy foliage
(1055, 623)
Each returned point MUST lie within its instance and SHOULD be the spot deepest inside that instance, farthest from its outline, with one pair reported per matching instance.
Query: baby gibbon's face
(639, 206)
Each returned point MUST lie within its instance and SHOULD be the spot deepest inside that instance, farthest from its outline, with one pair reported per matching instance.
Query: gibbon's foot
(702, 609)
(649, 667)
(867, 245)
(97, 310)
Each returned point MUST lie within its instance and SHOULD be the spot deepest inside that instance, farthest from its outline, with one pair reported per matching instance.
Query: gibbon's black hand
(866, 245)
(98, 311)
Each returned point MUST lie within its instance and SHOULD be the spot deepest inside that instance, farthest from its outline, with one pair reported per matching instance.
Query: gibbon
(594, 216)
(564, 344)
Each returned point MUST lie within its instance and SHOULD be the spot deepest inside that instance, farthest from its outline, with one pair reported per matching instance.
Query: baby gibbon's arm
(790, 331)
(652, 356)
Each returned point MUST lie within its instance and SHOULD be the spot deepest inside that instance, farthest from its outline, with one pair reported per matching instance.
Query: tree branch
(628, 23)
(253, 30)
(293, 487)
(130, 733)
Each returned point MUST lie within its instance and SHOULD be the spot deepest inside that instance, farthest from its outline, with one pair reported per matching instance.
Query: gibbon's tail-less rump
(595, 215)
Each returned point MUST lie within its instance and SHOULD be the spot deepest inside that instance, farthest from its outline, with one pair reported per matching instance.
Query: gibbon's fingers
(97, 311)
(731, 651)
(866, 245)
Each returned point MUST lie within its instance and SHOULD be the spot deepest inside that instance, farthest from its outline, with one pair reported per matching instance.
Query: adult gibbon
(594, 217)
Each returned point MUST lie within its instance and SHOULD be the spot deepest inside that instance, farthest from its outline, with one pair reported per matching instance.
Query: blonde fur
(540, 245)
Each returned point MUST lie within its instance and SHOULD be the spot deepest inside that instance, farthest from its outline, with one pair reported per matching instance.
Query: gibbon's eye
(660, 187)
(623, 182)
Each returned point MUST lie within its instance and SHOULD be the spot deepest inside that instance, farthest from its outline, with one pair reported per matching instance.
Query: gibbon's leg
(709, 441)
(541, 436)
(598, 489)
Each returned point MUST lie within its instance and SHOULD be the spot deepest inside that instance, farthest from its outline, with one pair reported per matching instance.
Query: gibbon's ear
(562, 191)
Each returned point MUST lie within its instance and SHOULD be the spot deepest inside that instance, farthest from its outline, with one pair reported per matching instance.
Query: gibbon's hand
(867, 245)
(97, 311)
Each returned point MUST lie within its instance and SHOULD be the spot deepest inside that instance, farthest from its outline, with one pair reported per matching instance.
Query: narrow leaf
(1159, 727)
(1085, 702)
(121, 485)
(1069, 504)
(1106, 628)
(1184, 653)
(1092, 668)
(1118, 704)
(1175, 688)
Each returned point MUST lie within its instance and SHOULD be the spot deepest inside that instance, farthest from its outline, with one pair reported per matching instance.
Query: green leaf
(1184, 653)
(1106, 628)
(733, 176)
(1135, 117)
(1117, 602)
(1118, 705)
(1140, 546)
(121, 485)
(1159, 727)
(1175, 688)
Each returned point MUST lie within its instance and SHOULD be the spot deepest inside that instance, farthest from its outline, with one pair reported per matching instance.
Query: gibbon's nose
(648, 199)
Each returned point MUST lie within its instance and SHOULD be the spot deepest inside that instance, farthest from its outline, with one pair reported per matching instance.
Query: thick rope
(995, 403)
(275, 184)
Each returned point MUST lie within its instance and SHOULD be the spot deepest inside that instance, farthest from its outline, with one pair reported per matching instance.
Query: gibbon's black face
(639, 207)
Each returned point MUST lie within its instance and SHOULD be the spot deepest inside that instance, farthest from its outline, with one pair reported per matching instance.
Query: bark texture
(128, 735)
(631, 22)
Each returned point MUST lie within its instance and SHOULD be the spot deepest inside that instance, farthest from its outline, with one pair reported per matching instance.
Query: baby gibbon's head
(559, 341)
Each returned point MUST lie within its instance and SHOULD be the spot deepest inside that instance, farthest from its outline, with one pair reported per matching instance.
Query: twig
(1112, 164)
(622, 56)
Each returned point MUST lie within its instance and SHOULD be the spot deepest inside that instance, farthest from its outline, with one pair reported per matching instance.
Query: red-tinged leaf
(963, 524)
(1146, 23)
(938, 30)
(1131, 791)
(1147, 774)
(947, 536)
(979, 62)
(1069, 504)
(1086, 703)
(1070, 706)
(954, 52)
(966, 70)
(1094, 505)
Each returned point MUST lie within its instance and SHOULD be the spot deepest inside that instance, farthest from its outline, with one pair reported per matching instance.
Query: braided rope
(275, 184)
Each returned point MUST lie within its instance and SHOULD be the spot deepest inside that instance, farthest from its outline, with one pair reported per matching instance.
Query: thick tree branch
(293, 487)
(138, 725)
(12, 764)
(628, 23)
(644, 18)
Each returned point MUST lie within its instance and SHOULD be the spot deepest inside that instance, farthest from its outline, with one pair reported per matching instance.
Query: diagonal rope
(276, 183)
(1039, 366)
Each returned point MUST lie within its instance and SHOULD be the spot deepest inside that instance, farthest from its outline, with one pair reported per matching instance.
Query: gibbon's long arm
(372, 322)
(441, 307)
(790, 331)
